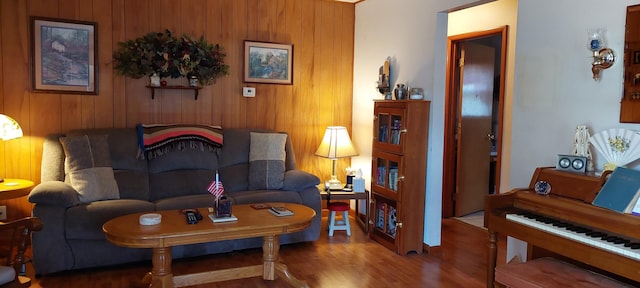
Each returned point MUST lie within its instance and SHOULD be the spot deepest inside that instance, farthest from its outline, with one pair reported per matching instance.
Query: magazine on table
(280, 211)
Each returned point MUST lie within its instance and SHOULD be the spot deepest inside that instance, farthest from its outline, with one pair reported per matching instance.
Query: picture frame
(266, 62)
(63, 56)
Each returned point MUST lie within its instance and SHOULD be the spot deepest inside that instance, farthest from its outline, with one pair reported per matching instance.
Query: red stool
(339, 224)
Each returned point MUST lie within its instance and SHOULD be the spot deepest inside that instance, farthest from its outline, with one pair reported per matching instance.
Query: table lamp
(336, 143)
(9, 129)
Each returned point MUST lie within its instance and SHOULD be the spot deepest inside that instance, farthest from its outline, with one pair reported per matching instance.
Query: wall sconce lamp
(336, 143)
(603, 58)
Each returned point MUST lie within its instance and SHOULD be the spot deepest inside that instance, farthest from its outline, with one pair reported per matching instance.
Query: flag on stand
(215, 188)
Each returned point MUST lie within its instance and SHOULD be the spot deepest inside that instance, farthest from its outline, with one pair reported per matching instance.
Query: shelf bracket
(153, 89)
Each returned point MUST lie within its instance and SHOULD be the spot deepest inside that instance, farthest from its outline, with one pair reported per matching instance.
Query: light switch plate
(249, 91)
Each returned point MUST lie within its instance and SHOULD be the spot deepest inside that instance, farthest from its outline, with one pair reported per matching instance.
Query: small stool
(340, 224)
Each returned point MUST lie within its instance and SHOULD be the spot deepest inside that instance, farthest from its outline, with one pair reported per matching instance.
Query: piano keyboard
(596, 239)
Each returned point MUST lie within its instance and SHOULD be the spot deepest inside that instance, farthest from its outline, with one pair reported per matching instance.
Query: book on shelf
(393, 179)
(382, 173)
(620, 191)
(222, 219)
(280, 211)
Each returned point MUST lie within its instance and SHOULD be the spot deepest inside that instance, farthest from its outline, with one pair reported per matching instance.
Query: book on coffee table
(280, 211)
(222, 219)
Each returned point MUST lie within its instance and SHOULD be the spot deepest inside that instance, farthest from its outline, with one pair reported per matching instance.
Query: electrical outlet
(3, 212)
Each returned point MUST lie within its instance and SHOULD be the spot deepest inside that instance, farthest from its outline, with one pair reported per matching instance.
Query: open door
(466, 119)
(474, 127)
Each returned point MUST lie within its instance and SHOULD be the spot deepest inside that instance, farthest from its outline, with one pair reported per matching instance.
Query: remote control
(191, 217)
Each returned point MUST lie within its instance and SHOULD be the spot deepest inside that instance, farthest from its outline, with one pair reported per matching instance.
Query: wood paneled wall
(321, 95)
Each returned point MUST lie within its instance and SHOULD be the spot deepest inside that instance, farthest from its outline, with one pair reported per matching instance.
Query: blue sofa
(72, 236)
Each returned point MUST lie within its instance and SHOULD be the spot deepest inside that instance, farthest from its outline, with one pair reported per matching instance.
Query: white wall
(411, 32)
(551, 87)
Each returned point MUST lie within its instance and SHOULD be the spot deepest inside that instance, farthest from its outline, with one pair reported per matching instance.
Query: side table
(14, 188)
(342, 195)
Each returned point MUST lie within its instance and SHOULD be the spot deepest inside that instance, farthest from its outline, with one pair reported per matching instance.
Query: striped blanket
(155, 140)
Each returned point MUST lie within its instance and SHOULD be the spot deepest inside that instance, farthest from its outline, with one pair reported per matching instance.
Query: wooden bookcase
(398, 174)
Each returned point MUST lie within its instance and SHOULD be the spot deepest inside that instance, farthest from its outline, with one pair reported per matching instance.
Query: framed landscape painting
(63, 56)
(268, 62)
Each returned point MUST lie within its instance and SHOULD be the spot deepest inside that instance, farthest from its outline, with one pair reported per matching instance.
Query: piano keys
(522, 214)
(597, 239)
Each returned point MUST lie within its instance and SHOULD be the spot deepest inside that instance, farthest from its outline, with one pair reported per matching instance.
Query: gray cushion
(266, 160)
(88, 167)
(298, 180)
(85, 221)
(54, 193)
(234, 178)
(261, 196)
(188, 201)
(7, 274)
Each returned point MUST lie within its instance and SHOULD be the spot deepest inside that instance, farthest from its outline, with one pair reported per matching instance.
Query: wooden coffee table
(173, 231)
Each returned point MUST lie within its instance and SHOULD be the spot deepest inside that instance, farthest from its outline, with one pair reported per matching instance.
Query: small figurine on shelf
(222, 204)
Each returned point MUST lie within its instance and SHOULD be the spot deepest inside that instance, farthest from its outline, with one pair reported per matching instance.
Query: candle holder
(603, 58)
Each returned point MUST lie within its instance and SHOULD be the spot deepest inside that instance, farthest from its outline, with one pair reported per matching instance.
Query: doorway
(473, 120)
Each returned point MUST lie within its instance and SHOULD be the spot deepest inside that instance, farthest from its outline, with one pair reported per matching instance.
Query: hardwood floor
(339, 261)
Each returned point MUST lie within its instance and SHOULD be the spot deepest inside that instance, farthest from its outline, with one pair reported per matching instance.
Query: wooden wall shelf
(179, 87)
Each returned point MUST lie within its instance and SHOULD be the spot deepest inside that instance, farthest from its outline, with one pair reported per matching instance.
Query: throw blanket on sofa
(156, 140)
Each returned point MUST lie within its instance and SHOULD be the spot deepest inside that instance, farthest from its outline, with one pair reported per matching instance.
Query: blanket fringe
(177, 146)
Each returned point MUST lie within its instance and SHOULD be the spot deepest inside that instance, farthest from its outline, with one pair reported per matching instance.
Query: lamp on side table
(9, 129)
(336, 143)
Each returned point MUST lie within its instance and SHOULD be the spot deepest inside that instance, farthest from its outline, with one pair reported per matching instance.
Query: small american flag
(215, 188)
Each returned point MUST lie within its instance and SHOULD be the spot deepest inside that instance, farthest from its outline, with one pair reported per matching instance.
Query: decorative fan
(618, 146)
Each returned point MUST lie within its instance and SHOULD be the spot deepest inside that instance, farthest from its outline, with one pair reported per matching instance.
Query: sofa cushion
(266, 160)
(88, 167)
(262, 196)
(185, 202)
(85, 221)
(179, 183)
(130, 173)
(7, 274)
(234, 178)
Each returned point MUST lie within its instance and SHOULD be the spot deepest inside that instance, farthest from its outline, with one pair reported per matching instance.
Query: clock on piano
(572, 163)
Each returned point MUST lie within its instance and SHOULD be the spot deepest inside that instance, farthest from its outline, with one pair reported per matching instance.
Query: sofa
(72, 236)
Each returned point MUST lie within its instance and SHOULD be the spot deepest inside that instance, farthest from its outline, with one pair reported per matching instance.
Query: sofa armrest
(298, 180)
(54, 193)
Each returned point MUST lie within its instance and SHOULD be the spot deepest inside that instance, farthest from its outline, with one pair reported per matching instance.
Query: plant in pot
(199, 59)
(145, 56)
(167, 56)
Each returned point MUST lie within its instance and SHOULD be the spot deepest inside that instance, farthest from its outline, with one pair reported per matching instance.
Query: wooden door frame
(451, 106)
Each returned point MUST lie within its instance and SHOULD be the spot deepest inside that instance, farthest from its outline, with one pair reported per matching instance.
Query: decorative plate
(542, 187)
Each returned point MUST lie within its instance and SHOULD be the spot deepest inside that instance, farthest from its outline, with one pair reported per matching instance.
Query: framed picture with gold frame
(63, 56)
(266, 62)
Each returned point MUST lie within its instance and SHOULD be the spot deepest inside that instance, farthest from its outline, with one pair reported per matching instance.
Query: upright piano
(565, 223)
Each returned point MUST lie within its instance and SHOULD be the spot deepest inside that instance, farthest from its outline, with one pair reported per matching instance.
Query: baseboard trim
(432, 250)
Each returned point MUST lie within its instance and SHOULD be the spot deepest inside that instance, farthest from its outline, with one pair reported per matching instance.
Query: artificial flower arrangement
(164, 55)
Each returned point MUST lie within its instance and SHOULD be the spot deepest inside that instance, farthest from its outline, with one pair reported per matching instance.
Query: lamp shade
(9, 128)
(336, 143)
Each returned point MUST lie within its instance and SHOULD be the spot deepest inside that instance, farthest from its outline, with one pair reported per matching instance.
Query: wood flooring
(339, 261)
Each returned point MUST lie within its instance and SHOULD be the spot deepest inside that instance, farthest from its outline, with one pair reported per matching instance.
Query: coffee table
(173, 231)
